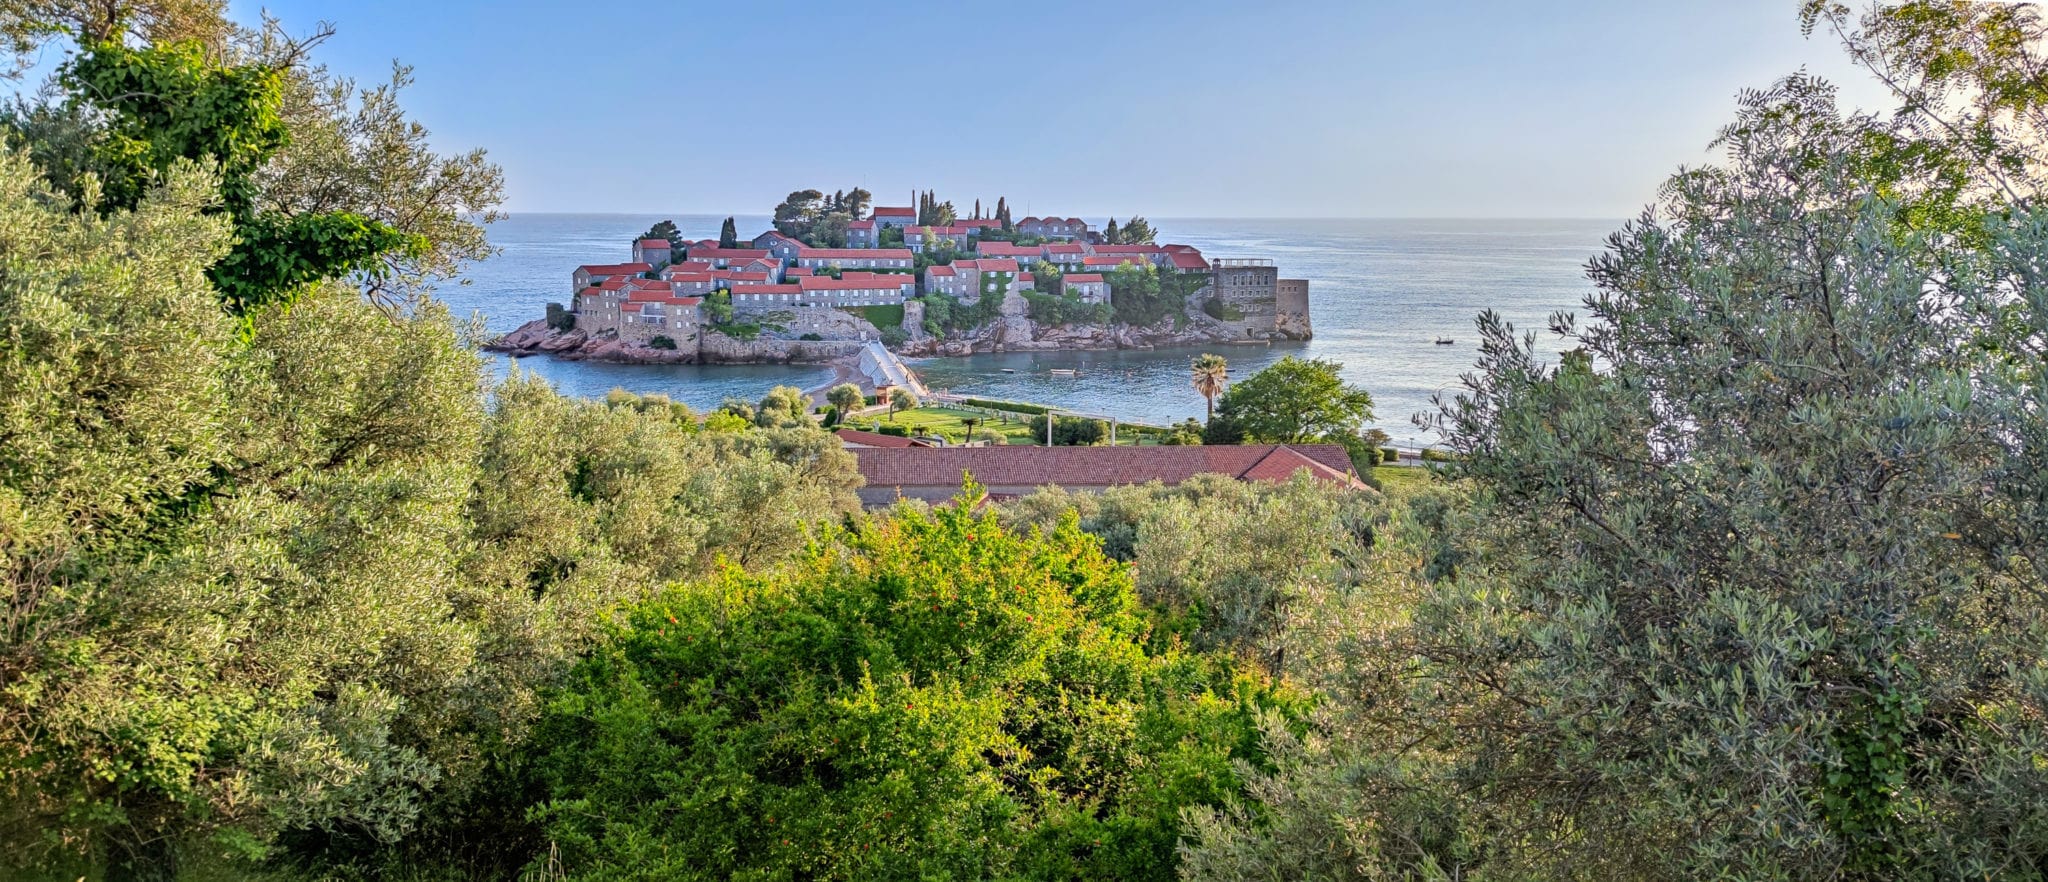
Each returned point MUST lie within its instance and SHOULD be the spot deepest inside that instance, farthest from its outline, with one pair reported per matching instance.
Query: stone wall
(1247, 299)
(1291, 309)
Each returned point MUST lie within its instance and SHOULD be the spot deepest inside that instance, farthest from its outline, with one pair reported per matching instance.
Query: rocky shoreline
(1009, 334)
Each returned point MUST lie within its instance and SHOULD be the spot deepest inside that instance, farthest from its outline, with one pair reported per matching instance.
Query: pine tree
(977, 209)
(728, 235)
(1109, 233)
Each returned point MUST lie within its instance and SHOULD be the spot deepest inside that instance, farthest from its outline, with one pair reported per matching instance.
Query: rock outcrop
(1013, 331)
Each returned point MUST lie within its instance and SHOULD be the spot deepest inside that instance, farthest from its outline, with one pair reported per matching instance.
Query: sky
(1180, 108)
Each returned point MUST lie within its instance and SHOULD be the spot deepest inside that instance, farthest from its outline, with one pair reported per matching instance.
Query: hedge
(1011, 406)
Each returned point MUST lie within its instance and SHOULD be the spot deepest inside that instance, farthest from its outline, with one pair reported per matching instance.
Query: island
(835, 275)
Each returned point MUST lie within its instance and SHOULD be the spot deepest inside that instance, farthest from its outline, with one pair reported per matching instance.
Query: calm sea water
(1381, 292)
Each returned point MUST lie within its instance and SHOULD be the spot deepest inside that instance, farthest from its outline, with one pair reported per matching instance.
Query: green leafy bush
(661, 342)
(1068, 431)
(920, 696)
(560, 318)
(1011, 406)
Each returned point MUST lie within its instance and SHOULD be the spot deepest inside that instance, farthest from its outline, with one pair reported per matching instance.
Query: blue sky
(1350, 108)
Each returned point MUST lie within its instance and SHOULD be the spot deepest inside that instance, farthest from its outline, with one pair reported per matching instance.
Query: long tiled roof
(1100, 466)
(853, 254)
(616, 269)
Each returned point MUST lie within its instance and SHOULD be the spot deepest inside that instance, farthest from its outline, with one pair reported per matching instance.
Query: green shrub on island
(560, 318)
(661, 341)
(1060, 310)
(924, 695)
(810, 336)
(893, 429)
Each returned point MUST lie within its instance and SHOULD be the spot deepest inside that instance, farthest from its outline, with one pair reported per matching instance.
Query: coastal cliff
(538, 338)
(1010, 333)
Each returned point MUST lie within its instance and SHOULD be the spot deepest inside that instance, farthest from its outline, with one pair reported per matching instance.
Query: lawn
(948, 422)
(882, 317)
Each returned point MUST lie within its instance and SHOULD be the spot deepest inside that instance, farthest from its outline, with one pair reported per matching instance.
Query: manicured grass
(882, 317)
(949, 422)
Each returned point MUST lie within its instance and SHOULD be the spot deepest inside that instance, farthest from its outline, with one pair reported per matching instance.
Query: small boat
(1444, 341)
(1065, 372)
(1009, 370)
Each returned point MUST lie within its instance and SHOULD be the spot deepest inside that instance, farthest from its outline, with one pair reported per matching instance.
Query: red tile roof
(616, 269)
(714, 253)
(1187, 260)
(1006, 249)
(629, 307)
(881, 211)
(861, 225)
(1113, 260)
(1020, 466)
(940, 271)
(688, 278)
(1064, 248)
(995, 265)
(798, 271)
(1083, 277)
(854, 254)
(874, 439)
(653, 244)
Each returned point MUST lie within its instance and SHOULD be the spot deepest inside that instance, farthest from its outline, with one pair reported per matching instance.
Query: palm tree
(1211, 374)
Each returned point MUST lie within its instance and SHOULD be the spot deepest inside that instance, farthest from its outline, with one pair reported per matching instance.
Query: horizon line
(1501, 217)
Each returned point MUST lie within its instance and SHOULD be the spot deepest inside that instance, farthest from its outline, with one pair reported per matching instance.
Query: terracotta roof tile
(854, 254)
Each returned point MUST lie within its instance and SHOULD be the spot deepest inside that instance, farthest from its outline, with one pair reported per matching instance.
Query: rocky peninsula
(833, 276)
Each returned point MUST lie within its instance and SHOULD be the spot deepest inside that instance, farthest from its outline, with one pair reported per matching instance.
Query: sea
(1381, 292)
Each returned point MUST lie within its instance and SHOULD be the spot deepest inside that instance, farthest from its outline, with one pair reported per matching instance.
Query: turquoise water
(1381, 292)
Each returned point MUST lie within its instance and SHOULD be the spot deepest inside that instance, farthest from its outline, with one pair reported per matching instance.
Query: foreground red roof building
(934, 474)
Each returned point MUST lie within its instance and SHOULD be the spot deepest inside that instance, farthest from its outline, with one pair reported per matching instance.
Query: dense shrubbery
(1069, 431)
(1057, 309)
(922, 696)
